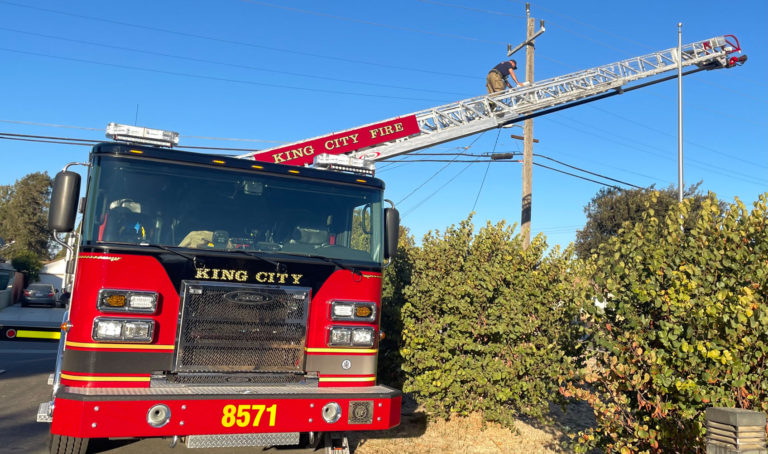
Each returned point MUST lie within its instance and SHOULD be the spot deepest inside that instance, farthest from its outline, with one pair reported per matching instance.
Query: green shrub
(29, 264)
(488, 326)
(685, 327)
(396, 277)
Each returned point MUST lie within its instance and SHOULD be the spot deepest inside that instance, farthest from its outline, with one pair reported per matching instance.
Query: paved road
(25, 367)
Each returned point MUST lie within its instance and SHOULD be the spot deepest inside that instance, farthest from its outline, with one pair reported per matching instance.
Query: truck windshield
(139, 201)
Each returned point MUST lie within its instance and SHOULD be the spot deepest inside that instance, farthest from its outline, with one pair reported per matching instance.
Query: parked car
(39, 294)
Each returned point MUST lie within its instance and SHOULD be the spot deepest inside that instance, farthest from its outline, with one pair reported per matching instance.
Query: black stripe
(90, 362)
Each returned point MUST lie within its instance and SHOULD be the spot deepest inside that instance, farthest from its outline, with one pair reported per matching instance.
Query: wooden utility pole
(525, 217)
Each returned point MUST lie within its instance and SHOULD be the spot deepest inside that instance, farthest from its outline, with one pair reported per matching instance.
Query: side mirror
(391, 232)
(66, 190)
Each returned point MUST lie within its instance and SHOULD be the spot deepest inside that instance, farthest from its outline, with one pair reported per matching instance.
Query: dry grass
(417, 434)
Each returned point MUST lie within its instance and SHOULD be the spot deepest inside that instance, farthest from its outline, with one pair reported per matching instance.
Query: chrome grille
(227, 327)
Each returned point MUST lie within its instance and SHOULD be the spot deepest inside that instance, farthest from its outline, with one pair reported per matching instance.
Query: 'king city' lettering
(263, 277)
(296, 153)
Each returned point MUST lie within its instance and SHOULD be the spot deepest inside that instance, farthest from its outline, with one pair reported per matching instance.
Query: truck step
(237, 440)
(45, 412)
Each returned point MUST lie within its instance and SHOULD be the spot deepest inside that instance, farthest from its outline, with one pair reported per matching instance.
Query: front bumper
(221, 410)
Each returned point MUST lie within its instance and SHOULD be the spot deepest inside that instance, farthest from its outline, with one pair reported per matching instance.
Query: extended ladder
(471, 116)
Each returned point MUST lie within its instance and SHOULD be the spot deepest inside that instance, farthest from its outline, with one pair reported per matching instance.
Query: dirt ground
(417, 434)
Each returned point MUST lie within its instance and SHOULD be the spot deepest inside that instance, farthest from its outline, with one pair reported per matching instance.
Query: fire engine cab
(220, 301)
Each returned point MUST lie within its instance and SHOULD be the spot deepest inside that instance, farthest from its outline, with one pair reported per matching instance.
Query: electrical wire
(366, 22)
(440, 170)
(578, 176)
(688, 142)
(233, 42)
(44, 141)
(216, 78)
(610, 136)
(438, 190)
(89, 142)
(475, 161)
(227, 64)
(51, 125)
(549, 23)
(587, 171)
(485, 174)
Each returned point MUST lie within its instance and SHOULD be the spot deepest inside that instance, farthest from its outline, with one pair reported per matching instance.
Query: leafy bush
(28, 264)
(488, 326)
(396, 277)
(685, 327)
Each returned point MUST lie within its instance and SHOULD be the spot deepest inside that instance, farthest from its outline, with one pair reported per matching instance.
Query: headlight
(121, 330)
(351, 336)
(362, 337)
(127, 301)
(359, 311)
(340, 336)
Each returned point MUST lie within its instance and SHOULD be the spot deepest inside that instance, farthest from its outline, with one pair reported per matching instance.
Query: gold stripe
(130, 346)
(341, 350)
(38, 334)
(100, 257)
(92, 378)
(349, 379)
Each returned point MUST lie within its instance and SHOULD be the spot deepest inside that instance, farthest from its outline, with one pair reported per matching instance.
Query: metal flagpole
(679, 111)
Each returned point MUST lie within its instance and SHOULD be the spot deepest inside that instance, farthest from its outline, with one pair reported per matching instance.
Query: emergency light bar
(345, 164)
(138, 134)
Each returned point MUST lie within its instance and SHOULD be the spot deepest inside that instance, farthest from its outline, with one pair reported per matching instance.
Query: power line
(49, 125)
(587, 171)
(436, 191)
(485, 174)
(234, 42)
(48, 137)
(441, 169)
(221, 63)
(366, 22)
(52, 125)
(90, 142)
(476, 161)
(21, 139)
(216, 78)
(646, 148)
(578, 176)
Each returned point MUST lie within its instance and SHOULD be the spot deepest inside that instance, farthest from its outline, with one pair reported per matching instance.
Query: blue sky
(273, 72)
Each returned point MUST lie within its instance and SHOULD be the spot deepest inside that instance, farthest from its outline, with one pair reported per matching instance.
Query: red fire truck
(235, 301)
(220, 300)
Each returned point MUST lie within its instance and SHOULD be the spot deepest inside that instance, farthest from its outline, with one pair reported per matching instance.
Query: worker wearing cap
(497, 77)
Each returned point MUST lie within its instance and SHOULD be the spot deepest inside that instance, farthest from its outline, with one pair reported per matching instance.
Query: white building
(53, 273)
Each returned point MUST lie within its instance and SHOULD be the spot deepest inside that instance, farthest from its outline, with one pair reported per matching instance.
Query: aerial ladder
(436, 125)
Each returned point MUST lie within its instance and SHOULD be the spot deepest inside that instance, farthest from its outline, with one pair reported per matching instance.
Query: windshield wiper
(196, 261)
(338, 263)
(257, 255)
(191, 258)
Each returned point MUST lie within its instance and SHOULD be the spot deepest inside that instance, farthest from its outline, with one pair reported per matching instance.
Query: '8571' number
(245, 414)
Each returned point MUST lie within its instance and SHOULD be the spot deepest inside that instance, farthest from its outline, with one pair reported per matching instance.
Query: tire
(61, 444)
(24, 304)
